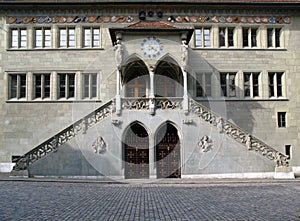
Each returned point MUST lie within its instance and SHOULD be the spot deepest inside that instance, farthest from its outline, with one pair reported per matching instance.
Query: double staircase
(81, 126)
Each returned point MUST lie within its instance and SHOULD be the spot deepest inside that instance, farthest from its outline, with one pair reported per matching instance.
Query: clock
(151, 47)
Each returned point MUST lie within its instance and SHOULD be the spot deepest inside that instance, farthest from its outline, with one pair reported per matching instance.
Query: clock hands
(151, 47)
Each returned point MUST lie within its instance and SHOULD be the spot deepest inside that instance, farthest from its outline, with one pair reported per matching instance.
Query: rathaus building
(150, 89)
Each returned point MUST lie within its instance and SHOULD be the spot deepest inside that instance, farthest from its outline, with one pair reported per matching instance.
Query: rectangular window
(67, 37)
(273, 37)
(227, 81)
(43, 37)
(91, 37)
(281, 119)
(251, 84)
(276, 84)
(89, 85)
(203, 84)
(66, 85)
(202, 37)
(18, 38)
(288, 151)
(250, 37)
(226, 37)
(41, 86)
(17, 86)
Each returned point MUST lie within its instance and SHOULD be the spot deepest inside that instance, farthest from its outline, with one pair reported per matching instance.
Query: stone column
(152, 167)
(118, 96)
(185, 92)
(184, 49)
(30, 87)
(151, 94)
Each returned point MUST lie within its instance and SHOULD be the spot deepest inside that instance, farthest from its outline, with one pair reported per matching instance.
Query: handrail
(51, 144)
(238, 134)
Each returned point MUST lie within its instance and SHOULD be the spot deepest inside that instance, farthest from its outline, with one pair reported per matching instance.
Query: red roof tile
(151, 24)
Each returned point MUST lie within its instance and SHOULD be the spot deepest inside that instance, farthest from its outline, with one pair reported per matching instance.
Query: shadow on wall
(67, 161)
(219, 91)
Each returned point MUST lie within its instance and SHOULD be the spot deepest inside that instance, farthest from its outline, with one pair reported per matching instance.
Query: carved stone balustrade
(238, 134)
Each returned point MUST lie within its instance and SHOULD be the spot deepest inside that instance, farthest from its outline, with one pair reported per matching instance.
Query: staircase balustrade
(238, 134)
(64, 136)
(82, 125)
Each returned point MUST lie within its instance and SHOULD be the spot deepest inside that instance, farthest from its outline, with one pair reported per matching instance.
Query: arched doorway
(167, 152)
(168, 79)
(136, 151)
(136, 79)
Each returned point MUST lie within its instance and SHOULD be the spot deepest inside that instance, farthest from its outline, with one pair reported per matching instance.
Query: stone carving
(184, 49)
(205, 144)
(137, 104)
(99, 146)
(220, 124)
(168, 104)
(118, 48)
(249, 142)
(21, 164)
(280, 160)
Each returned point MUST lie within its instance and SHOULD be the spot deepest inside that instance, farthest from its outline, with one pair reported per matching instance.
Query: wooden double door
(136, 153)
(168, 164)
(167, 153)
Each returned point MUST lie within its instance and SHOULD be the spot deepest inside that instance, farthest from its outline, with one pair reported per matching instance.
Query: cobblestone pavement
(21, 200)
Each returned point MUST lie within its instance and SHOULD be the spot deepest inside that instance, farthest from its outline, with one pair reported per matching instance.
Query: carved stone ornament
(118, 53)
(99, 146)
(205, 144)
(184, 54)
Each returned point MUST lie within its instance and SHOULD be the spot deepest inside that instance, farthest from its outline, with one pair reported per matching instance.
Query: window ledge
(240, 99)
(53, 101)
(240, 49)
(53, 49)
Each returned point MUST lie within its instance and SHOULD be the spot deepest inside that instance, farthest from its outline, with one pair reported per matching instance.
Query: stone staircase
(238, 134)
(81, 126)
(51, 145)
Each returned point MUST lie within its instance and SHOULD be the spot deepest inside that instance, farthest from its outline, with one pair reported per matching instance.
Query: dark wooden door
(137, 153)
(168, 153)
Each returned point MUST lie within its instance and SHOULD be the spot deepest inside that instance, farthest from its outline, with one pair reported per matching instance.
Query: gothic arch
(135, 151)
(168, 78)
(167, 151)
(135, 77)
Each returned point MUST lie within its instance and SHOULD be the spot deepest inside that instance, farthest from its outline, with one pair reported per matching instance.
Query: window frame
(67, 37)
(201, 40)
(281, 119)
(44, 37)
(227, 38)
(89, 90)
(227, 85)
(45, 88)
(276, 86)
(66, 87)
(20, 89)
(21, 38)
(92, 37)
(274, 37)
(252, 84)
(248, 37)
(202, 78)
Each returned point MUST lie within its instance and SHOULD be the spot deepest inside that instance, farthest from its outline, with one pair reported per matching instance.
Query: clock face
(151, 47)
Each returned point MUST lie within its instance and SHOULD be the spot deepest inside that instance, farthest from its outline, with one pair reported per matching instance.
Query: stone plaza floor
(162, 200)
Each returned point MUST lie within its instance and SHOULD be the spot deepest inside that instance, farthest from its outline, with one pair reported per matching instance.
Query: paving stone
(21, 200)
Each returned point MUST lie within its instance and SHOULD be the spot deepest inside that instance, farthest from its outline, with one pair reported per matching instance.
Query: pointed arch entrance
(136, 79)
(167, 152)
(136, 151)
(168, 79)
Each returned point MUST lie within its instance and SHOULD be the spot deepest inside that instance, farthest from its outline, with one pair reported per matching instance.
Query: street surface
(52, 200)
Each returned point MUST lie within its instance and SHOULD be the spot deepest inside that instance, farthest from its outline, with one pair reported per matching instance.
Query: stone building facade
(130, 90)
